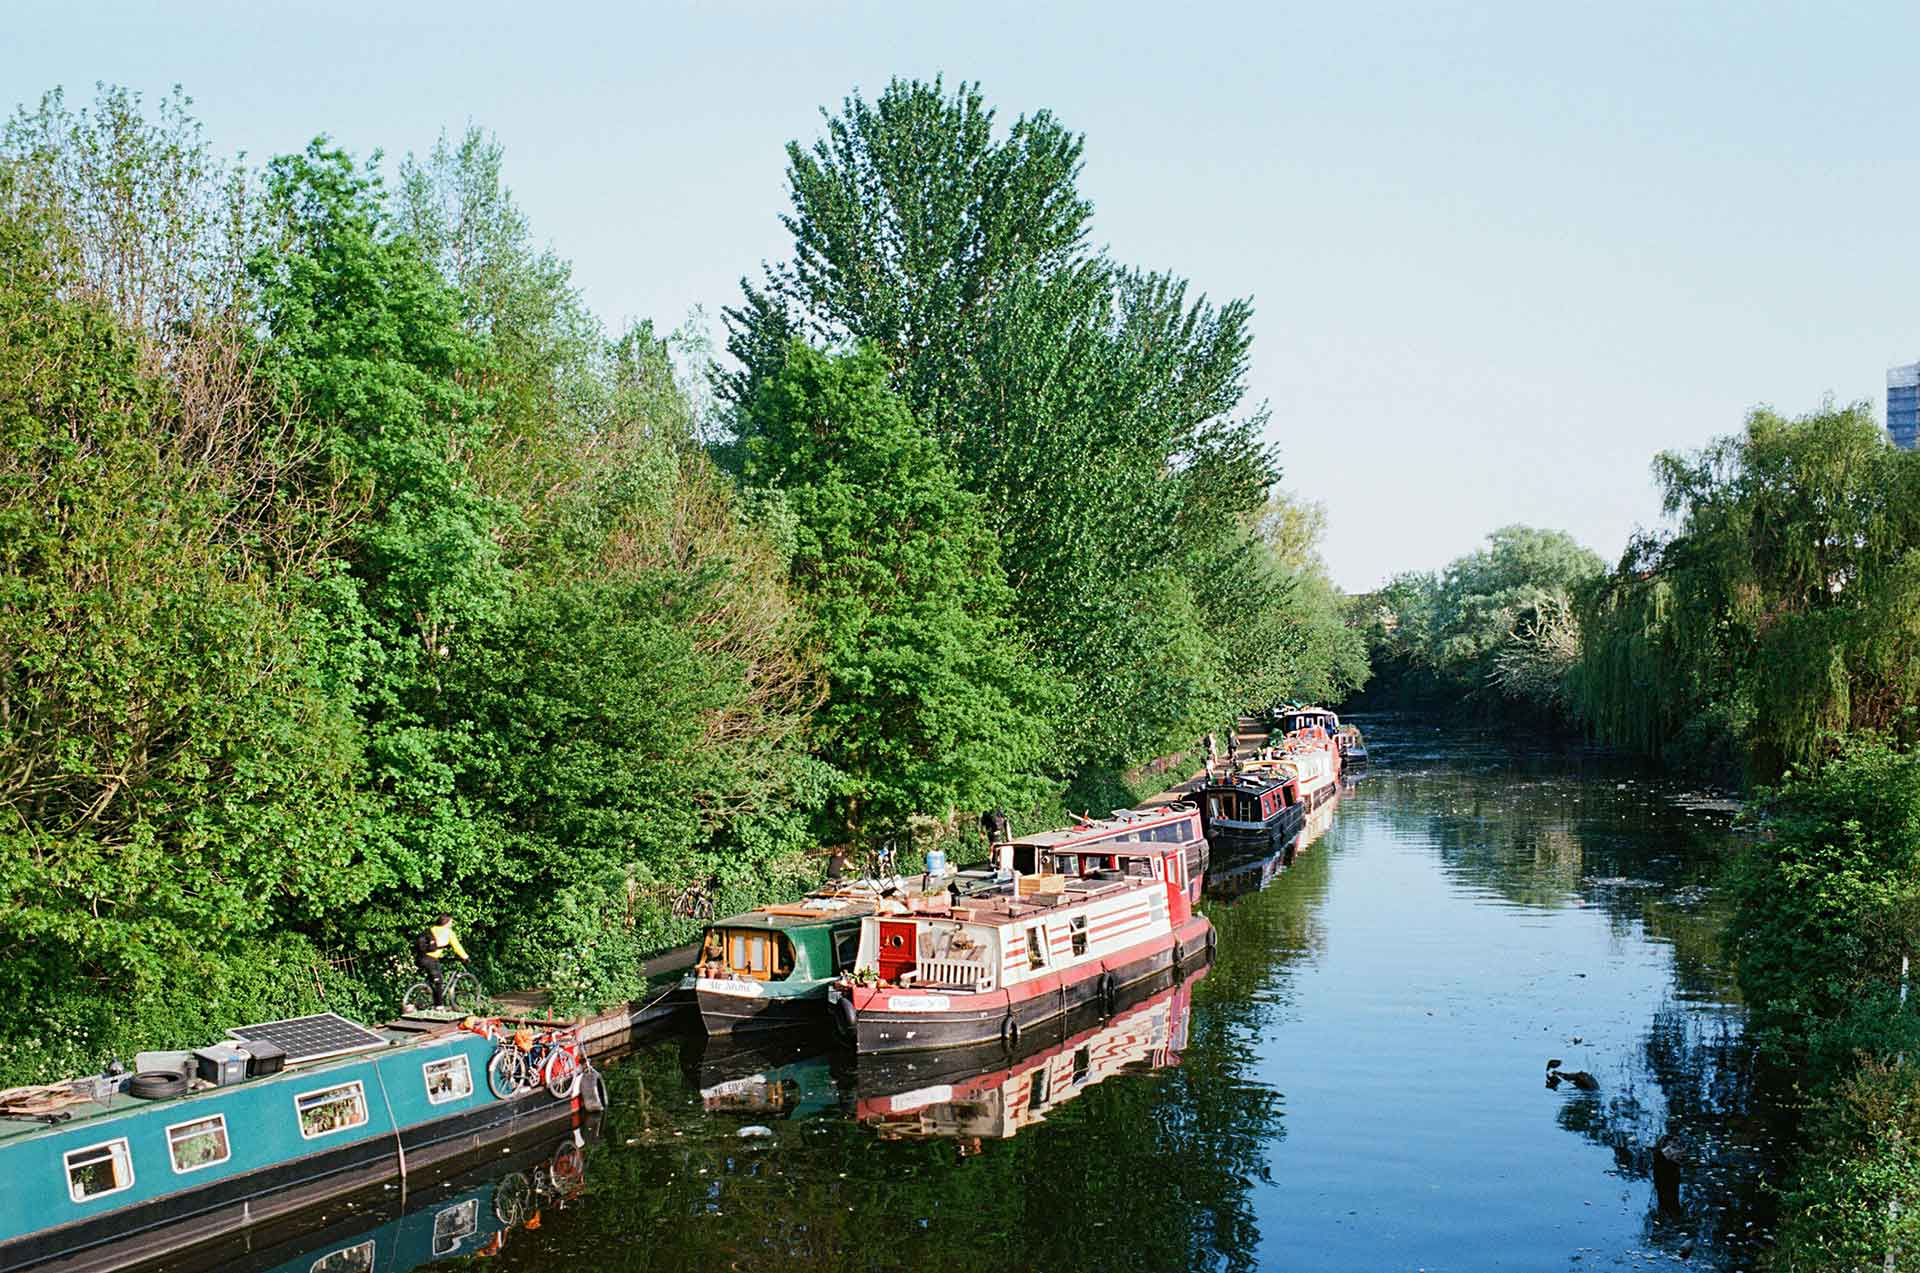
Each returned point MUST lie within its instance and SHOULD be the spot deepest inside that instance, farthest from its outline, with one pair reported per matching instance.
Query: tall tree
(1093, 407)
(931, 706)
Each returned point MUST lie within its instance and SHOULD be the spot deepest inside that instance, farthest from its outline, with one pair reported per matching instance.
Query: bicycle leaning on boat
(525, 1058)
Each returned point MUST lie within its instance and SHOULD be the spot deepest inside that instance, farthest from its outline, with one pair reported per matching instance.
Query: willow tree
(1785, 603)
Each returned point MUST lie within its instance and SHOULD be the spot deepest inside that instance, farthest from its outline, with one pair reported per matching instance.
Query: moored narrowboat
(770, 968)
(1265, 800)
(1102, 917)
(1177, 822)
(351, 1108)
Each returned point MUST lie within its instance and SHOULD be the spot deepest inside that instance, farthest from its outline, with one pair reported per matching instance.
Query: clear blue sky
(1501, 253)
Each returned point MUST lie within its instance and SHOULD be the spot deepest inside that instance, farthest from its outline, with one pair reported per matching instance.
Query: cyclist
(428, 947)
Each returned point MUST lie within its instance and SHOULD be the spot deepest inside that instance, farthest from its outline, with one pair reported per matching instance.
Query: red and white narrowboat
(936, 972)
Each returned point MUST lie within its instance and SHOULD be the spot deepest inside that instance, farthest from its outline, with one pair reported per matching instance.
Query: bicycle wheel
(562, 1074)
(464, 993)
(512, 1199)
(418, 998)
(507, 1072)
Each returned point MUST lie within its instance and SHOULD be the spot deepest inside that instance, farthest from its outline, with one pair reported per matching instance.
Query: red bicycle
(525, 1059)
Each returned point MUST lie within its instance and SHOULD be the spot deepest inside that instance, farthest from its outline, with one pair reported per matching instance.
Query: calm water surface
(1357, 1082)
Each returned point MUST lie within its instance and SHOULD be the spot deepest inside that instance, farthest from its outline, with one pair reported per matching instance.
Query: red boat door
(897, 941)
(1179, 906)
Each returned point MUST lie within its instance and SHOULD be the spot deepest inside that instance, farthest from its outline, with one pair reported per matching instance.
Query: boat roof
(806, 913)
(1262, 779)
(1120, 824)
(86, 1111)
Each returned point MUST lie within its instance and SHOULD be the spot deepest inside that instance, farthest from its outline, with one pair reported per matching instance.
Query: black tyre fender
(593, 1091)
(158, 1085)
(1010, 1031)
(845, 1020)
(1109, 992)
(1213, 940)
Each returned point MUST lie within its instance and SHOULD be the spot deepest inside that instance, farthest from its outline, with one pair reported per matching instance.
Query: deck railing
(955, 974)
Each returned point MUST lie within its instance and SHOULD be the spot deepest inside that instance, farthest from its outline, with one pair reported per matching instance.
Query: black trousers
(430, 966)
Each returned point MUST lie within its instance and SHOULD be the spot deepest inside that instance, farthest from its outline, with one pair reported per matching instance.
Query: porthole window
(201, 1143)
(98, 1170)
(448, 1080)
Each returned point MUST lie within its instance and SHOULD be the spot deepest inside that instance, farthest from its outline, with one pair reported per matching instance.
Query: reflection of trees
(1699, 1088)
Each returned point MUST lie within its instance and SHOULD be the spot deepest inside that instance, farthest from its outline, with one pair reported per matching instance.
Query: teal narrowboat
(154, 1176)
(771, 967)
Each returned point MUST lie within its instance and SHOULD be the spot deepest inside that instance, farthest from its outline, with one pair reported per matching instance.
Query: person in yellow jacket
(429, 946)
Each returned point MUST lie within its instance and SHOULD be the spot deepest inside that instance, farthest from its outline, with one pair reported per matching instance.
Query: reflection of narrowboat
(1101, 917)
(997, 1104)
(1251, 874)
(471, 1218)
(351, 1109)
(765, 1084)
(770, 967)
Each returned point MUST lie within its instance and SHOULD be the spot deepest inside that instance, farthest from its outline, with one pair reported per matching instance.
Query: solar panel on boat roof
(313, 1038)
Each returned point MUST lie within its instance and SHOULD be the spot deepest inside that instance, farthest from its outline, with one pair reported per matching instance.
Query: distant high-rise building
(1903, 405)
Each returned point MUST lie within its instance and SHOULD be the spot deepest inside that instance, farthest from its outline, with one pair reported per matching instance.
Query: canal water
(1359, 1082)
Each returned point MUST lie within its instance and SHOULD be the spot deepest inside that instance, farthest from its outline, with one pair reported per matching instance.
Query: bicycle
(524, 1060)
(461, 993)
(696, 900)
(885, 861)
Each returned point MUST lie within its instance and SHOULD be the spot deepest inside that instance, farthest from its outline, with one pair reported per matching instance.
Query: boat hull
(883, 1020)
(725, 1010)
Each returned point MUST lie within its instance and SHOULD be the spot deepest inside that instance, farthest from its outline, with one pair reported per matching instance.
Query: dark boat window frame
(1077, 931)
(1038, 953)
(123, 1158)
(174, 1143)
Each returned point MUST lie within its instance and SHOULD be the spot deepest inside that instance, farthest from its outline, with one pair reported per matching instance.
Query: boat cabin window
(1139, 868)
(764, 956)
(332, 1109)
(1036, 947)
(351, 1259)
(1221, 805)
(98, 1170)
(447, 1080)
(1078, 927)
(846, 947)
(201, 1143)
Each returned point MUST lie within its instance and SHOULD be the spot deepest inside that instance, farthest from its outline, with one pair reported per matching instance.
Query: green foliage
(1829, 899)
(1497, 626)
(1092, 408)
(1784, 603)
(931, 707)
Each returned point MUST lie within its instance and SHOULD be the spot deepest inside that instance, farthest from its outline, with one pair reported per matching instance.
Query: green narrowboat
(770, 968)
(351, 1108)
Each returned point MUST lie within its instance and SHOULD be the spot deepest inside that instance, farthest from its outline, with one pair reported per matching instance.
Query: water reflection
(1356, 1082)
(504, 1191)
(998, 1102)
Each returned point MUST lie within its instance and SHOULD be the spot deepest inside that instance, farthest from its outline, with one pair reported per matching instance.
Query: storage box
(222, 1065)
(263, 1058)
(1042, 885)
(185, 1064)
